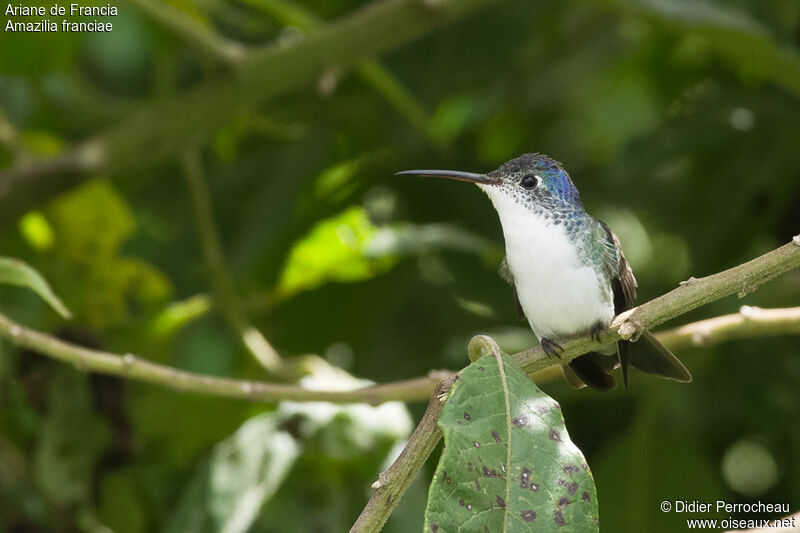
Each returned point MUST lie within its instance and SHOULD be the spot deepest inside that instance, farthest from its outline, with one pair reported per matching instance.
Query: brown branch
(749, 322)
(393, 483)
(165, 128)
(134, 367)
(693, 293)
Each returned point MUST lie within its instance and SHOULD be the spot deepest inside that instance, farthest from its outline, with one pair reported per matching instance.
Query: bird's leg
(597, 330)
(551, 347)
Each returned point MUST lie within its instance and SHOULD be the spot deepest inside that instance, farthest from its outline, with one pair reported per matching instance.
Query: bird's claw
(597, 330)
(551, 348)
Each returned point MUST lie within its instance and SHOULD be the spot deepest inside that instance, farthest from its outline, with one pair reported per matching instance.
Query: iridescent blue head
(533, 180)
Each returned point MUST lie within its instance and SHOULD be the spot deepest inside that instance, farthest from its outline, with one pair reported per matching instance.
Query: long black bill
(482, 179)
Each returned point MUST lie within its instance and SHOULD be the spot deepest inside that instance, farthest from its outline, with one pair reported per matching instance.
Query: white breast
(558, 294)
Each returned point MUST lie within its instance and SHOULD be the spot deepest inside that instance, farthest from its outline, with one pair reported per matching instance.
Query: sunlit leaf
(16, 272)
(178, 314)
(35, 229)
(334, 250)
(246, 469)
(508, 463)
(91, 223)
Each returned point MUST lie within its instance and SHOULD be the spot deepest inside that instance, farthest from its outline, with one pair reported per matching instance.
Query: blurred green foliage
(678, 120)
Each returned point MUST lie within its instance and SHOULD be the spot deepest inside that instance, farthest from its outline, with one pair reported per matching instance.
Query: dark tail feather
(592, 369)
(654, 358)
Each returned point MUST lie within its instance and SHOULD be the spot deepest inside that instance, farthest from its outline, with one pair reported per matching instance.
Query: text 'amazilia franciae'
(566, 268)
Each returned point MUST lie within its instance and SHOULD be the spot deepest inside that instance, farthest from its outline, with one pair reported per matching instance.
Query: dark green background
(683, 136)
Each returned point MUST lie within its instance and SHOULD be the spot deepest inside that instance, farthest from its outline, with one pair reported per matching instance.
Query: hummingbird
(566, 269)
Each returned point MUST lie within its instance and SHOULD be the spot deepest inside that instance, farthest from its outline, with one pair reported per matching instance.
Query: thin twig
(409, 390)
(749, 322)
(198, 36)
(134, 367)
(693, 293)
(393, 483)
(743, 278)
(164, 129)
(222, 281)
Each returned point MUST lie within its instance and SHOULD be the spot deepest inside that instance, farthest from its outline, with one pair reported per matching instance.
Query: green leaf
(16, 272)
(72, 439)
(508, 463)
(336, 249)
(738, 38)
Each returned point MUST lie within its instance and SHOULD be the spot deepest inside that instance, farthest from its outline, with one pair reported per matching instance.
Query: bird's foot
(597, 330)
(551, 347)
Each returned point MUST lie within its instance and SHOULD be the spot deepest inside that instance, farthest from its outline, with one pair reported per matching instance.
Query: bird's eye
(529, 181)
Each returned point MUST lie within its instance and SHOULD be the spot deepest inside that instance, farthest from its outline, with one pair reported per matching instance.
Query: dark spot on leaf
(585, 466)
(476, 444)
(542, 410)
(477, 485)
(524, 477)
(570, 469)
(571, 488)
(389, 498)
(501, 502)
(434, 528)
(469, 467)
(520, 421)
(534, 486)
(585, 496)
(489, 473)
(496, 437)
(554, 435)
(481, 368)
(596, 522)
(444, 476)
(466, 416)
(563, 501)
(461, 502)
(558, 518)
(485, 529)
(556, 407)
(528, 516)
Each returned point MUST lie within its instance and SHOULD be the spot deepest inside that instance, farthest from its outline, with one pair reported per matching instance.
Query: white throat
(559, 293)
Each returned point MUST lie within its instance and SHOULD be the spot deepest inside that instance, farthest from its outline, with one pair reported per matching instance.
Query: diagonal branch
(201, 38)
(693, 293)
(165, 128)
(749, 322)
(130, 366)
(743, 278)
(393, 483)
(222, 281)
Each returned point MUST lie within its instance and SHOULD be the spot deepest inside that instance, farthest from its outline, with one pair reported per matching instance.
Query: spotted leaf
(508, 463)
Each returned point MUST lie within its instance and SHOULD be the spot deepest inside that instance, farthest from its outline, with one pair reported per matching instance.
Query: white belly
(559, 295)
